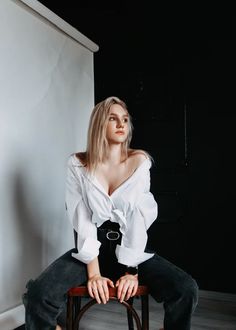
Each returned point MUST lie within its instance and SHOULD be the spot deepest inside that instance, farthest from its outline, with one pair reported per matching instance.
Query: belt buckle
(112, 235)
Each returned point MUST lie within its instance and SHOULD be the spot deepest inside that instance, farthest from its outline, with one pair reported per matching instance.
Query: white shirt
(132, 205)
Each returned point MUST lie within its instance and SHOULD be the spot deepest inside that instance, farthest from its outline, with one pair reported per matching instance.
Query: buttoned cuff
(89, 250)
(131, 257)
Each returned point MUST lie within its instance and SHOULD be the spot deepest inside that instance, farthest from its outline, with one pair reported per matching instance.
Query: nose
(120, 123)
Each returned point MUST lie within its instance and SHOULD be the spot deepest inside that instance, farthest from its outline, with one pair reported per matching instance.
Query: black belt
(111, 229)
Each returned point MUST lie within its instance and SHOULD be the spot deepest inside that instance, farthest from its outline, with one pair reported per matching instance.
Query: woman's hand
(127, 286)
(98, 288)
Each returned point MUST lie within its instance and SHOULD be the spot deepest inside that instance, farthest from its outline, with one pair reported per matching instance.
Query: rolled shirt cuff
(131, 257)
(89, 250)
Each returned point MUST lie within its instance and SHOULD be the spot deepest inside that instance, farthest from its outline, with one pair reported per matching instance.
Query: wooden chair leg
(69, 313)
(73, 308)
(130, 315)
(145, 312)
(77, 307)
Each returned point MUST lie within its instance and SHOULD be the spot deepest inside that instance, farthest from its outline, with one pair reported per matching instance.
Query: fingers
(127, 287)
(98, 289)
(96, 295)
(135, 288)
(110, 283)
(103, 291)
(90, 291)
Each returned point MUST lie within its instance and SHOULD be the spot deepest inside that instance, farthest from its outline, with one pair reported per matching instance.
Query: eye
(112, 118)
(125, 120)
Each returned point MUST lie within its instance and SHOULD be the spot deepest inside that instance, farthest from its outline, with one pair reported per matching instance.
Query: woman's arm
(93, 268)
(80, 215)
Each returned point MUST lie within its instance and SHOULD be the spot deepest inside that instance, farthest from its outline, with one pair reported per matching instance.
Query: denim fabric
(45, 299)
(175, 288)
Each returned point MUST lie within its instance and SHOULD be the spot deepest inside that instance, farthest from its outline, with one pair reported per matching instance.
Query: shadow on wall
(27, 241)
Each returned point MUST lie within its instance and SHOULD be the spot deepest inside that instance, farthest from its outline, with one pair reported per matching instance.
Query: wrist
(90, 276)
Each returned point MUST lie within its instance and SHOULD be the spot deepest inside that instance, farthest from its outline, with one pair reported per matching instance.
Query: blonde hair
(97, 144)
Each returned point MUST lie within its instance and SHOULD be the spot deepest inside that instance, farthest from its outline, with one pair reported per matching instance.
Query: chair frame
(75, 311)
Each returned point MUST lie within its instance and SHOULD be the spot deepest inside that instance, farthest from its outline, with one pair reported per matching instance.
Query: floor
(215, 311)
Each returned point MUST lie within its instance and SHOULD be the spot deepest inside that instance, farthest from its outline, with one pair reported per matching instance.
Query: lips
(120, 132)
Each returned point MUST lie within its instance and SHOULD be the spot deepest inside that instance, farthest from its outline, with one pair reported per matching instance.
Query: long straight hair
(97, 144)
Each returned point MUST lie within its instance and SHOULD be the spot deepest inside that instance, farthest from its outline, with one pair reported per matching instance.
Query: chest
(111, 178)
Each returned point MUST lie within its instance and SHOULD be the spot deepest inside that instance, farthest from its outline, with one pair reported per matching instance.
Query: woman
(110, 205)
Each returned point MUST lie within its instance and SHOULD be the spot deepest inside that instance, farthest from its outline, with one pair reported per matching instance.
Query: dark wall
(174, 72)
(178, 86)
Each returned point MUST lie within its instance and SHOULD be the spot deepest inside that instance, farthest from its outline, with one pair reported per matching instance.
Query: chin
(120, 139)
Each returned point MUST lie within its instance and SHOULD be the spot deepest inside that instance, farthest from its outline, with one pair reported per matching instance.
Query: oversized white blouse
(132, 205)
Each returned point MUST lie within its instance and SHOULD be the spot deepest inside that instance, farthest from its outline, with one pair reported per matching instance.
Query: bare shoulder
(138, 156)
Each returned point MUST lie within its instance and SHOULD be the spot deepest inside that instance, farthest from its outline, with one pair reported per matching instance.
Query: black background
(174, 67)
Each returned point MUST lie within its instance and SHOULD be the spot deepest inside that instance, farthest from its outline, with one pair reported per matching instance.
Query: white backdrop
(46, 96)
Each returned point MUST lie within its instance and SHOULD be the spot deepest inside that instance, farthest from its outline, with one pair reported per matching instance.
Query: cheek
(127, 128)
(110, 128)
(111, 125)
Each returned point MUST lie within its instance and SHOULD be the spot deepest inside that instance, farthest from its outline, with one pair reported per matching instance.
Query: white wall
(46, 96)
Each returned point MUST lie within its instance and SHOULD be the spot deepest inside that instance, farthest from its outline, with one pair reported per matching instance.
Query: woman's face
(118, 124)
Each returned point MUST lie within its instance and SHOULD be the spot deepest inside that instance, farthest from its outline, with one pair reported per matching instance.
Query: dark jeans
(45, 299)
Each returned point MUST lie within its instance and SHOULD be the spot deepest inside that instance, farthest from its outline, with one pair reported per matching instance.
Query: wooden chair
(75, 311)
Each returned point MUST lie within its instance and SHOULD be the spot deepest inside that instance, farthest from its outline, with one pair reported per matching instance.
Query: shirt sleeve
(144, 213)
(80, 217)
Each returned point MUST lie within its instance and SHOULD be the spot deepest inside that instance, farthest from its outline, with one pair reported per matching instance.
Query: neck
(114, 155)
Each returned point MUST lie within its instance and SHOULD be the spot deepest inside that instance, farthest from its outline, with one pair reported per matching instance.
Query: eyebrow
(114, 114)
